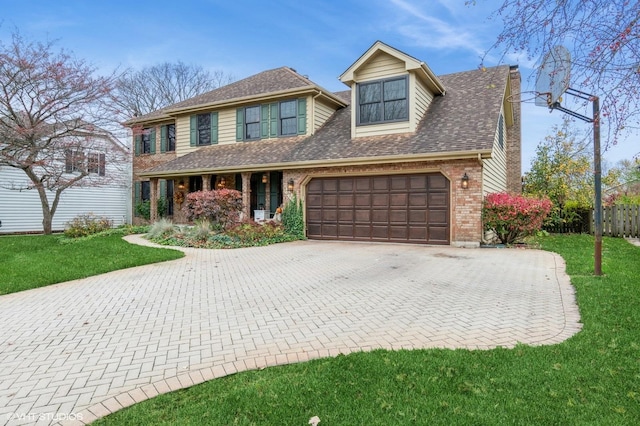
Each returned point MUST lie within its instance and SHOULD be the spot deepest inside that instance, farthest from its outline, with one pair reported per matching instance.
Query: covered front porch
(262, 191)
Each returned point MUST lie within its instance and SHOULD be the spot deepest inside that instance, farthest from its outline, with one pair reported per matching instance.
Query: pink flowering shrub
(222, 207)
(512, 217)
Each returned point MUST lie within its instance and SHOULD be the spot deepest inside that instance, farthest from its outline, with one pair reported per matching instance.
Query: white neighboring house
(108, 195)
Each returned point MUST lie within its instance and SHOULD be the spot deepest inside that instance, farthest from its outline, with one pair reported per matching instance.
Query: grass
(31, 261)
(591, 379)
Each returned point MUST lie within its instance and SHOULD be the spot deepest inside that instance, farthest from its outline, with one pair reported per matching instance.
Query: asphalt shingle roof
(270, 81)
(463, 120)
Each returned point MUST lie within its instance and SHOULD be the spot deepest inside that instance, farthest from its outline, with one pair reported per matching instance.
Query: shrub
(293, 218)
(161, 228)
(143, 208)
(86, 224)
(251, 233)
(221, 207)
(201, 230)
(513, 217)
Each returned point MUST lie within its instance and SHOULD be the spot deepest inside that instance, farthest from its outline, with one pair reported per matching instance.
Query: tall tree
(51, 110)
(140, 92)
(603, 37)
(561, 169)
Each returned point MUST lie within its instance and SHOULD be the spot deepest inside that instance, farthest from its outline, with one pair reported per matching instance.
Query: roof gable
(411, 64)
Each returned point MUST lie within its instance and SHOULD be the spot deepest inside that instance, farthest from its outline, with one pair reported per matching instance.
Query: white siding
(322, 114)
(183, 136)
(383, 129)
(421, 98)
(21, 211)
(381, 66)
(227, 126)
(494, 172)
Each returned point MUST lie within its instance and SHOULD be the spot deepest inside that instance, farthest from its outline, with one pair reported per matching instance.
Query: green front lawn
(593, 378)
(30, 261)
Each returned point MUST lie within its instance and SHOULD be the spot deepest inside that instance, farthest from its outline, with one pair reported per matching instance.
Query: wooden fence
(617, 221)
(621, 221)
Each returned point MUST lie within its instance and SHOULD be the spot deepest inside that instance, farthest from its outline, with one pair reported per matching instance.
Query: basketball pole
(597, 168)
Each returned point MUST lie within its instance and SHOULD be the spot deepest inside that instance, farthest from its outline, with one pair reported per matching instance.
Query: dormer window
(383, 101)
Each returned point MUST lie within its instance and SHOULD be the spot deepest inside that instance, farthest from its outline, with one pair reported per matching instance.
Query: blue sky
(320, 39)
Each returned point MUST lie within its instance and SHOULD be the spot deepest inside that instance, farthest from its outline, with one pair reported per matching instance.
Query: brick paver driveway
(82, 349)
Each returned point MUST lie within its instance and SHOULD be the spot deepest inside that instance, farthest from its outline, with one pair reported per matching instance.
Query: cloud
(434, 33)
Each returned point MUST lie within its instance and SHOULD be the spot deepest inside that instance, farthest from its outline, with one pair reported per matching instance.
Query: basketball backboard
(553, 76)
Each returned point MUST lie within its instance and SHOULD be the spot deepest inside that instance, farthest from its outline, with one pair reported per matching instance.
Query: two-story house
(403, 155)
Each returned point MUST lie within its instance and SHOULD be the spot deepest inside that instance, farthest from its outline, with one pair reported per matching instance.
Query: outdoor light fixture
(181, 185)
(290, 185)
(222, 183)
(465, 181)
(264, 178)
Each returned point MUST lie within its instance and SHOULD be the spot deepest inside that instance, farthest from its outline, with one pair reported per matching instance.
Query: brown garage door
(398, 208)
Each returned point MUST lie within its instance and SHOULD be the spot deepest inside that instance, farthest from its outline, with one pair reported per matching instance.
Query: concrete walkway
(76, 351)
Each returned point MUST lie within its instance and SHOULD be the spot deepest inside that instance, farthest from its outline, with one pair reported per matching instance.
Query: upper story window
(146, 141)
(288, 118)
(73, 161)
(383, 101)
(285, 118)
(204, 129)
(148, 144)
(501, 131)
(96, 163)
(252, 122)
(168, 138)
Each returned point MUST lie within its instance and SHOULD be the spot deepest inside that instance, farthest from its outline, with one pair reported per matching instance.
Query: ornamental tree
(512, 217)
(603, 37)
(52, 114)
(222, 207)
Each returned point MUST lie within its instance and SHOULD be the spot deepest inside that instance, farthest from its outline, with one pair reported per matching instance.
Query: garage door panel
(438, 200)
(379, 200)
(380, 183)
(399, 200)
(403, 208)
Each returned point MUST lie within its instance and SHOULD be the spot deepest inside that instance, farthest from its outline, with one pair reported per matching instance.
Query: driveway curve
(76, 351)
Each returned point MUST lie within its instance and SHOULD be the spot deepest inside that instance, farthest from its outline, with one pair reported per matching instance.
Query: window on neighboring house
(204, 129)
(73, 161)
(96, 163)
(383, 101)
(252, 122)
(146, 141)
(288, 118)
(168, 138)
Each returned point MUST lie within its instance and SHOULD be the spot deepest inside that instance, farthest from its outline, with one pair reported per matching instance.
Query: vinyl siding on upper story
(494, 172)
(322, 112)
(380, 66)
(421, 100)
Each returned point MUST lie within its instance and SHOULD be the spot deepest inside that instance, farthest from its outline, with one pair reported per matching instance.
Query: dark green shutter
(163, 139)
(264, 121)
(273, 126)
(138, 144)
(162, 193)
(239, 124)
(153, 141)
(214, 128)
(137, 194)
(302, 116)
(193, 130)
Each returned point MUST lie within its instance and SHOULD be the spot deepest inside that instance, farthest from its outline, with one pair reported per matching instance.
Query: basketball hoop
(553, 77)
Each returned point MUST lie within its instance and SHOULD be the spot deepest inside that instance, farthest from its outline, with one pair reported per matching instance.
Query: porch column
(267, 195)
(246, 195)
(154, 199)
(206, 183)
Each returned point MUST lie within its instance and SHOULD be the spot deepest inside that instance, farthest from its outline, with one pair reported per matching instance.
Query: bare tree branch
(153, 88)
